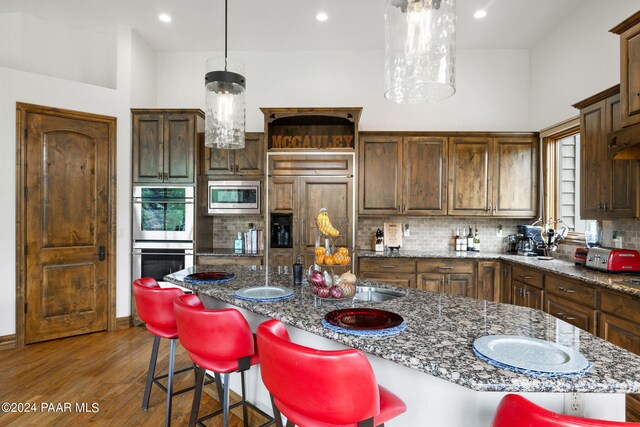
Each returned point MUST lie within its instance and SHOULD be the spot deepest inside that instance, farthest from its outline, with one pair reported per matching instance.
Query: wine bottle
(476, 241)
(470, 239)
(456, 240)
(463, 240)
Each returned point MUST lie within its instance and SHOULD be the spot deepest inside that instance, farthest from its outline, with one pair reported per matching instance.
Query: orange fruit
(329, 260)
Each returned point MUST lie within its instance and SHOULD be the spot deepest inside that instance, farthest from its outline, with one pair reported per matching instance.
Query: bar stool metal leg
(151, 372)
(245, 414)
(225, 405)
(172, 357)
(198, 395)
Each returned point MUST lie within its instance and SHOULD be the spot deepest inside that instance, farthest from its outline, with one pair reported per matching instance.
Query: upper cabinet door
(630, 72)
(380, 175)
(470, 176)
(179, 145)
(623, 185)
(218, 161)
(515, 183)
(250, 160)
(593, 168)
(424, 164)
(148, 148)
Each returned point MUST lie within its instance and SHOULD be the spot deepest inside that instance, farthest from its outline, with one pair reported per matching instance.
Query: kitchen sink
(370, 293)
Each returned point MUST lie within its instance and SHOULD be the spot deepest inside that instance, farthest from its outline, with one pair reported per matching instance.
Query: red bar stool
(321, 388)
(155, 308)
(220, 341)
(515, 410)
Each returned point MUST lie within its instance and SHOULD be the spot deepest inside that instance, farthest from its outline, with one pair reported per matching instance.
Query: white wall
(579, 58)
(143, 73)
(492, 88)
(22, 86)
(41, 46)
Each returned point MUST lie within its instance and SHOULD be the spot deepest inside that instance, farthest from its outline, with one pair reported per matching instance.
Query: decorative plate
(264, 293)
(363, 319)
(209, 277)
(531, 354)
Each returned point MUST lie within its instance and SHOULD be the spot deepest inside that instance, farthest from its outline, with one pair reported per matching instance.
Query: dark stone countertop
(225, 252)
(440, 332)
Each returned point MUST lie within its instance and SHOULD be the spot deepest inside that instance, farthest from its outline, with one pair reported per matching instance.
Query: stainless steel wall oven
(163, 213)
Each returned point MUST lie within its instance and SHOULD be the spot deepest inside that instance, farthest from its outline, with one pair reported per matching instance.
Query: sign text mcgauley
(311, 141)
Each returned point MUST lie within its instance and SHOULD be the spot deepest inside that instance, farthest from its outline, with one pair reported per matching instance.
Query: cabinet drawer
(446, 266)
(402, 279)
(387, 265)
(576, 314)
(571, 290)
(621, 305)
(527, 275)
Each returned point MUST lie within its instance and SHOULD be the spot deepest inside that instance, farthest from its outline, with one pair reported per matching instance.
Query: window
(561, 175)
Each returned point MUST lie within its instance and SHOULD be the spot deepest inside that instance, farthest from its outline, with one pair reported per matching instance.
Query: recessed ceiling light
(480, 14)
(322, 16)
(164, 17)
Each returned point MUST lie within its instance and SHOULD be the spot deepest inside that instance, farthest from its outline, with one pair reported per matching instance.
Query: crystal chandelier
(224, 98)
(420, 40)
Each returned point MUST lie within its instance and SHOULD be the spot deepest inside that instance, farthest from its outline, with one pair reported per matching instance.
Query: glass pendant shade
(420, 49)
(225, 104)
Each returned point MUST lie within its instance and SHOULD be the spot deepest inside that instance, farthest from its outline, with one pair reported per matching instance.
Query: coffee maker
(529, 240)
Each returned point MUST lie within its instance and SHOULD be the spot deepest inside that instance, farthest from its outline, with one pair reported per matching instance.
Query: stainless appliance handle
(175, 202)
(139, 252)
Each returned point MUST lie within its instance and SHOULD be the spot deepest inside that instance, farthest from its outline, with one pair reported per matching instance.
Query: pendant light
(224, 97)
(420, 39)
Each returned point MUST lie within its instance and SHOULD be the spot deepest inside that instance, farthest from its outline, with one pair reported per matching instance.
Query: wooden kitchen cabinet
(526, 287)
(572, 301)
(629, 32)
(402, 175)
(303, 196)
(505, 283)
(620, 324)
(452, 277)
(608, 188)
(493, 176)
(164, 143)
(489, 281)
(392, 271)
(248, 161)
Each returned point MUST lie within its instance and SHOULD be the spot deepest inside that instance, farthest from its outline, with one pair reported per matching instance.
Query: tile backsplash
(436, 233)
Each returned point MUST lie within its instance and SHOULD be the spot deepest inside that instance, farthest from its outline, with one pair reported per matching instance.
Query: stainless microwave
(234, 197)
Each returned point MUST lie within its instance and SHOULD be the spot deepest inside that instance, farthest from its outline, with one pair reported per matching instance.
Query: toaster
(614, 260)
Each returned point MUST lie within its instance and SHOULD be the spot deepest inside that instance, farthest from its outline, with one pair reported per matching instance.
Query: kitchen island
(431, 365)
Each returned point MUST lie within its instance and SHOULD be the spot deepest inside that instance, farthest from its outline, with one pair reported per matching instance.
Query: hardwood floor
(105, 370)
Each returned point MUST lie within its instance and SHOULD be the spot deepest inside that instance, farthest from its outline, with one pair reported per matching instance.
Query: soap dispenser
(237, 244)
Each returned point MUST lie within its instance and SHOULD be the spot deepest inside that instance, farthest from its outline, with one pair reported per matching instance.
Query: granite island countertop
(616, 282)
(440, 332)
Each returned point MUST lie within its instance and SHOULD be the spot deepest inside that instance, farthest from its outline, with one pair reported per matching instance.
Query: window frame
(549, 138)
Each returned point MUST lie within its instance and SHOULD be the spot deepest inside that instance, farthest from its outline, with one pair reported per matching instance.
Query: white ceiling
(198, 25)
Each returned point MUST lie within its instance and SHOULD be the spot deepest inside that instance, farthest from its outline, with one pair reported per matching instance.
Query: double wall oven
(162, 231)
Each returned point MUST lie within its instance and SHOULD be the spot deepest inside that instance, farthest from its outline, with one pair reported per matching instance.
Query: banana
(324, 224)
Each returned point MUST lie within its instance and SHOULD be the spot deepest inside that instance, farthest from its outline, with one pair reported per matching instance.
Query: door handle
(101, 253)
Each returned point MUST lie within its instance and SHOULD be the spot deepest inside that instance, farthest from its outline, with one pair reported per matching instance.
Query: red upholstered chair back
(515, 410)
(155, 304)
(215, 335)
(335, 387)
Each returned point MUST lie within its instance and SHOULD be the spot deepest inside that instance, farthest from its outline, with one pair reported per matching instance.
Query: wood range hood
(624, 144)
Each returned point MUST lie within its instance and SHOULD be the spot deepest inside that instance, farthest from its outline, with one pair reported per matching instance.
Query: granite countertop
(440, 332)
(224, 252)
(616, 282)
